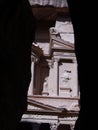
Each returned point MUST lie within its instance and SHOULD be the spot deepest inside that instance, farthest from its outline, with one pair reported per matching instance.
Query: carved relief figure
(45, 85)
(66, 77)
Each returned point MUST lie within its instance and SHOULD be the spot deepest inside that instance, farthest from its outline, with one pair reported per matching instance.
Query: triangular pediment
(58, 43)
(36, 107)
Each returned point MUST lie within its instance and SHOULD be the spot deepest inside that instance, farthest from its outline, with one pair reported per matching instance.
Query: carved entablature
(56, 43)
(54, 3)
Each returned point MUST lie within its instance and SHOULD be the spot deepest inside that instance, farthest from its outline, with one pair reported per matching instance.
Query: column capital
(56, 59)
(72, 126)
(54, 126)
(50, 63)
(34, 59)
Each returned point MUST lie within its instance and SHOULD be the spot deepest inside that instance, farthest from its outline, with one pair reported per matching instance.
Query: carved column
(75, 74)
(50, 78)
(30, 91)
(56, 76)
(54, 126)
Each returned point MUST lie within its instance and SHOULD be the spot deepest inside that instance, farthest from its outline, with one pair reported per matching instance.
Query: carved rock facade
(53, 95)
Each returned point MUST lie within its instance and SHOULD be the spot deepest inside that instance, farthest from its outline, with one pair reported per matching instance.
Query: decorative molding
(54, 3)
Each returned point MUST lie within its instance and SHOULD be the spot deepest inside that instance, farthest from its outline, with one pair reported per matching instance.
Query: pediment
(57, 43)
(41, 108)
(38, 108)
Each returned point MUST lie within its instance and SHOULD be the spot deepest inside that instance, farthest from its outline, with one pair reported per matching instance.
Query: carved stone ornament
(71, 126)
(66, 77)
(45, 85)
(54, 126)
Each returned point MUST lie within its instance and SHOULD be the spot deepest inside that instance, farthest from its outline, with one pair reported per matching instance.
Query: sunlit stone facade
(53, 95)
